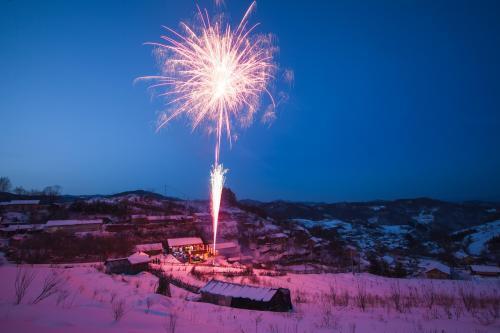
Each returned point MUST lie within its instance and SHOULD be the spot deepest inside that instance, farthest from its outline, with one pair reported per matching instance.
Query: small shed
(246, 297)
(136, 263)
(484, 270)
(150, 249)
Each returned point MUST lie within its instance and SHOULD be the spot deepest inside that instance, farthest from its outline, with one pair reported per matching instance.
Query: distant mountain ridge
(396, 212)
(6, 196)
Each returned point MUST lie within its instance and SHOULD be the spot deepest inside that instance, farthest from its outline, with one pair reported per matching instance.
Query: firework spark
(217, 178)
(215, 75)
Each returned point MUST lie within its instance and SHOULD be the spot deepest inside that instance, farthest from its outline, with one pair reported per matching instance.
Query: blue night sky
(391, 99)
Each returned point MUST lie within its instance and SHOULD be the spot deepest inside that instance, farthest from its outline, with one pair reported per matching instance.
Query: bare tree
(171, 323)
(5, 184)
(395, 296)
(361, 297)
(52, 192)
(23, 280)
(149, 303)
(20, 190)
(258, 319)
(50, 286)
(118, 308)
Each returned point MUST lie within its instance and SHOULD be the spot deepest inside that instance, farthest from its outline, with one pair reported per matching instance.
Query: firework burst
(215, 75)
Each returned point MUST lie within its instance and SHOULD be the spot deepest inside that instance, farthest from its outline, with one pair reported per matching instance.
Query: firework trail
(215, 75)
(217, 178)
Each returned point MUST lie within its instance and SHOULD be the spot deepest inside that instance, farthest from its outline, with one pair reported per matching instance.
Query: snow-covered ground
(322, 303)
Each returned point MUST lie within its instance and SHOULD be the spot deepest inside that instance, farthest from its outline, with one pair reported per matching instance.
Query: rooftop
(184, 241)
(58, 223)
(485, 268)
(224, 245)
(160, 217)
(149, 247)
(20, 202)
(20, 227)
(216, 287)
(138, 258)
(437, 265)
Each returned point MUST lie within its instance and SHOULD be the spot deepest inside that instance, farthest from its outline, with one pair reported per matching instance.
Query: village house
(484, 270)
(150, 249)
(436, 270)
(136, 263)
(20, 228)
(191, 249)
(74, 225)
(143, 218)
(203, 217)
(240, 259)
(184, 244)
(226, 249)
(246, 297)
(118, 227)
(20, 205)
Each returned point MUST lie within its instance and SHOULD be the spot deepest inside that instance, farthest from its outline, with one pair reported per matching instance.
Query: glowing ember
(214, 74)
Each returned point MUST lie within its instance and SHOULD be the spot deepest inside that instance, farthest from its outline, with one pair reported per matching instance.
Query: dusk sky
(391, 99)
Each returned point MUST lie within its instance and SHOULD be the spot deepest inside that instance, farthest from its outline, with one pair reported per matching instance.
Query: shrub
(118, 309)
(23, 280)
(50, 286)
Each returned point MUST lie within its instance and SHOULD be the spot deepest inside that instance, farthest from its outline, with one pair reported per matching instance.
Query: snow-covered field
(88, 301)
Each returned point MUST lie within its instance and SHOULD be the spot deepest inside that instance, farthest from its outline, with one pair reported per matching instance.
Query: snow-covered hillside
(478, 236)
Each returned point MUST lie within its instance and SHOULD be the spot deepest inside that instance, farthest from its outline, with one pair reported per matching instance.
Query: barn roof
(184, 241)
(221, 288)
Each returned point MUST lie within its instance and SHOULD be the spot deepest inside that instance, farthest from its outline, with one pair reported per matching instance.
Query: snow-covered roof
(239, 258)
(388, 259)
(460, 254)
(149, 247)
(437, 265)
(184, 241)
(58, 223)
(240, 291)
(485, 269)
(20, 202)
(202, 214)
(224, 245)
(138, 258)
(316, 239)
(159, 217)
(17, 227)
(278, 235)
(170, 259)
